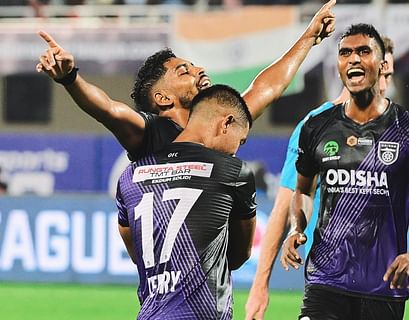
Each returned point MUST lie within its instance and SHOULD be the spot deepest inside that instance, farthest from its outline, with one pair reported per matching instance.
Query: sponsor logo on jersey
(365, 142)
(357, 182)
(170, 171)
(352, 141)
(331, 149)
(388, 152)
(358, 178)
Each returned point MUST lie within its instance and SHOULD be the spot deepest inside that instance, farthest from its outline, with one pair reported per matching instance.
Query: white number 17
(144, 210)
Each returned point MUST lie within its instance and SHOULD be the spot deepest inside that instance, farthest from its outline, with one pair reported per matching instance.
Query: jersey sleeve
(133, 155)
(244, 206)
(289, 172)
(122, 212)
(305, 163)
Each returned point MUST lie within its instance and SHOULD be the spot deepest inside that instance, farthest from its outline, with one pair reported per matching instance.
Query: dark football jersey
(159, 132)
(364, 213)
(178, 203)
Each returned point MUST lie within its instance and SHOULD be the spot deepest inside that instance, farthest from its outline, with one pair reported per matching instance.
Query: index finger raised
(49, 39)
(329, 5)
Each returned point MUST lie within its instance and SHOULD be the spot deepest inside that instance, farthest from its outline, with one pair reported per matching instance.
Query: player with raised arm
(166, 84)
(358, 265)
(182, 207)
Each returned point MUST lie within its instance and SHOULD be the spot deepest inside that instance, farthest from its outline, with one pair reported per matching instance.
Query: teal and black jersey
(364, 212)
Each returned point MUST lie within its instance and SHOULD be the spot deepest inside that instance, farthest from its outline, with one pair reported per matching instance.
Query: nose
(200, 71)
(355, 58)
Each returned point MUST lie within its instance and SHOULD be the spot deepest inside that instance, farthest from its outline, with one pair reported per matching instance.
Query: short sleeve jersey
(364, 214)
(178, 203)
(159, 132)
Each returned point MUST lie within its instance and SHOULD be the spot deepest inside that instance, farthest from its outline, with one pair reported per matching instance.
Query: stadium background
(60, 254)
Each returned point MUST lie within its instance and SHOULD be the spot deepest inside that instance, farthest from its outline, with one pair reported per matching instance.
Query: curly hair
(151, 71)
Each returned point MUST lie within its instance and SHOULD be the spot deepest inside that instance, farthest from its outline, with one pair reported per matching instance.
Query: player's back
(178, 204)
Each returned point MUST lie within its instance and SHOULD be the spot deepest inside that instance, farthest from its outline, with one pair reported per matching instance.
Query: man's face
(359, 62)
(386, 76)
(184, 80)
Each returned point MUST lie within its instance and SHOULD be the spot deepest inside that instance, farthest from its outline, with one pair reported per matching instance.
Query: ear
(227, 122)
(384, 67)
(163, 100)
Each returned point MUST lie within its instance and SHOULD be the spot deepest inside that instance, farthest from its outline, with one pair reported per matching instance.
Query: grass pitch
(94, 302)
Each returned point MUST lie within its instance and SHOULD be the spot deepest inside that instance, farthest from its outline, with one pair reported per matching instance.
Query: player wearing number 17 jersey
(180, 208)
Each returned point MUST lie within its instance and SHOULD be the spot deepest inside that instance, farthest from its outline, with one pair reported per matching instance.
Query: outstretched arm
(271, 82)
(124, 122)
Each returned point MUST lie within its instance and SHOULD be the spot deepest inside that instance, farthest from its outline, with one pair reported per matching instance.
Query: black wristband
(69, 78)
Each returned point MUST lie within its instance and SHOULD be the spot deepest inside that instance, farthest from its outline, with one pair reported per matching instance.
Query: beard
(186, 101)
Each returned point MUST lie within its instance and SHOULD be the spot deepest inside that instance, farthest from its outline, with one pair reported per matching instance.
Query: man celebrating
(358, 264)
(187, 213)
(166, 84)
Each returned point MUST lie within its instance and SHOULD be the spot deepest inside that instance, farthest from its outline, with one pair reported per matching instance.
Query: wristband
(69, 78)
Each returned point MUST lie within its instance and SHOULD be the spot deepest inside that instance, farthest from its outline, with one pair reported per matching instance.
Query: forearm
(299, 211)
(277, 227)
(91, 99)
(271, 82)
(240, 242)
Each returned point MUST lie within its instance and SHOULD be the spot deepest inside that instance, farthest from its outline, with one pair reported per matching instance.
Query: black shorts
(323, 304)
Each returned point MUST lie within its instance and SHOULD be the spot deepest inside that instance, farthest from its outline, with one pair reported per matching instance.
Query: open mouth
(204, 82)
(356, 74)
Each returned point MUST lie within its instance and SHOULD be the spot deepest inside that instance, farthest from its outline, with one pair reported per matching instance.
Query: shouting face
(360, 62)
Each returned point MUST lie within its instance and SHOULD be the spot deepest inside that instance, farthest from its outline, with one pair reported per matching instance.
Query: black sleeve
(244, 205)
(159, 132)
(305, 164)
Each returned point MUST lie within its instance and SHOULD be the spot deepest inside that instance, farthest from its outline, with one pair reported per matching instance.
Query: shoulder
(323, 118)
(324, 107)
(313, 113)
(127, 173)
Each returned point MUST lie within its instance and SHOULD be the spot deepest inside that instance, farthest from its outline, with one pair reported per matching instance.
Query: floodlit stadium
(61, 255)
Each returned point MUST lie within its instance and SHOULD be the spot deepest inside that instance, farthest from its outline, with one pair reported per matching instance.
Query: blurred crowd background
(59, 167)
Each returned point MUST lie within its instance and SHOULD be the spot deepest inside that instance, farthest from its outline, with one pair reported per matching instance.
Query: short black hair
(365, 29)
(151, 71)
(388, 43)
(225, 96)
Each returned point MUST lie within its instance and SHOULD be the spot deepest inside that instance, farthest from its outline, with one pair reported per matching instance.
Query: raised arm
(300, 210)
(241, 234)
(271, 82)
(123, 121)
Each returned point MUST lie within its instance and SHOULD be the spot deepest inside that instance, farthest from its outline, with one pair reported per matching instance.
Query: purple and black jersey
(178, 203)
(364, 207)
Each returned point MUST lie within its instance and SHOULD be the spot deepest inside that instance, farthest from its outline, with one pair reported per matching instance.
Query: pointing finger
(49, 39)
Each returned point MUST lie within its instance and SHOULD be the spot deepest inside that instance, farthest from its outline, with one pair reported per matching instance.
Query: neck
(178, 115)
(365, 106)
(189, 135)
